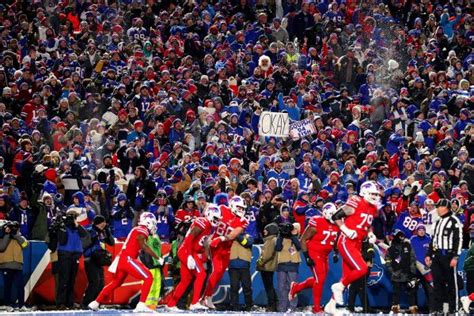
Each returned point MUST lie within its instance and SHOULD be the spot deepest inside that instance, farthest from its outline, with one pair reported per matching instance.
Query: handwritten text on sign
(302, 128)
(274, 124)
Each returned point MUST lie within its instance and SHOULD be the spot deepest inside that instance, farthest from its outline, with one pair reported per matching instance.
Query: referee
(443, 255)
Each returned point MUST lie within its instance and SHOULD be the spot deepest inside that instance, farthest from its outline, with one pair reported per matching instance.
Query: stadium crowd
(113, 108)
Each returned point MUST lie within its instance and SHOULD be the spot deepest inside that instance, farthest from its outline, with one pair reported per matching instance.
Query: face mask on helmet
(238, 206)
(214, 221)
(373, 198)
(213, 215)
(148, 220)
(329, 209)
(370, 192)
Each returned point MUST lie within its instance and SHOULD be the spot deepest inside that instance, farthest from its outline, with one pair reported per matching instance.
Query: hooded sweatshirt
(85, 216)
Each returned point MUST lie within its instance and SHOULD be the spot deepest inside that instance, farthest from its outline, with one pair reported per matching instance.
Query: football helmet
(213, 214)
(238, 206)
(369, 190)
(148, 220)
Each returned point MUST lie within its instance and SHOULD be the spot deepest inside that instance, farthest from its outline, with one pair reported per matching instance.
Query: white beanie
(419, 137)
(392, 64)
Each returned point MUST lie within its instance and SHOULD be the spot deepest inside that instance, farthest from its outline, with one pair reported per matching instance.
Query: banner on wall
(39, 280)
(274, 124)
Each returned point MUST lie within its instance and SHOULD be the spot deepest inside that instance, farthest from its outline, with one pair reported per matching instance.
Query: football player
(192, 256)
(232, 224)
(317, 242)
(358, 214)
(127, 263)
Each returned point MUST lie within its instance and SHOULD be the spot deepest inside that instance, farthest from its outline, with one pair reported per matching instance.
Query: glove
(309, 261)
(260, 261)
(161, 261)
(191, 263)
(216, 241)
(372, 238)
(350, 233)
(412, 283)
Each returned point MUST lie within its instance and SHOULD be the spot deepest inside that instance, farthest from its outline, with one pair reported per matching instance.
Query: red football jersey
(195, 244)
(183, 215)
(324, 238)
(131, 247)
(362, 218)
(227, 224)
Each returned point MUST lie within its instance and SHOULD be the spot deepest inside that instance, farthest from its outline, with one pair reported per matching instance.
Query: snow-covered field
(162, 311)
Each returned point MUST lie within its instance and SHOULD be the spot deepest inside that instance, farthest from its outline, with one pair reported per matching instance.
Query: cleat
(152, 306)
(174, 309)
(337, 293)
(94, 305)
(142, 308)
(207, 301)
(197, 306)
(292, 294)
(466, 303)
(330, 307)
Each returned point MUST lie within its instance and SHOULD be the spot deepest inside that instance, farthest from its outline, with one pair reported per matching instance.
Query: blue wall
(380, 288)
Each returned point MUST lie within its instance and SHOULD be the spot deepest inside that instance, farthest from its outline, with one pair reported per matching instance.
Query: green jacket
(469, 262)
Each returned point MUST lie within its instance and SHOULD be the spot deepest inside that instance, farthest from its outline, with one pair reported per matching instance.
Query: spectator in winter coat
(100, 236)
(395, 141)
(85, 215)
(288, 249)
(141, 190)
(122, 217)
(44, 211)
(239, 271)
(300, 207)
(50, 184)
(335, 189)
(23, 214)
(267, 264)
(99, 197)
(12, 244)
(164, 214)
(420, 244)
(72, 238)
(401, 264)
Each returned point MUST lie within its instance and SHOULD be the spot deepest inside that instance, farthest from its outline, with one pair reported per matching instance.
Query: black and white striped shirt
(447, 235)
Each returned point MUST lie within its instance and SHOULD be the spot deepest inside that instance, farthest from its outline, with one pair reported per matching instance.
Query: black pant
(445, 283)
(358, 287)
(95, 278)
(68, 263)
(398, 287)
(14, 290)
(267, 279)
(428, 289)
(470, 282)
(240, 277)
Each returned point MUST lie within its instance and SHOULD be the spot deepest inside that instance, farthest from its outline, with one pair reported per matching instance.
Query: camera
(12, 226)
(286, 229)
(70, 220)
(62, 221)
